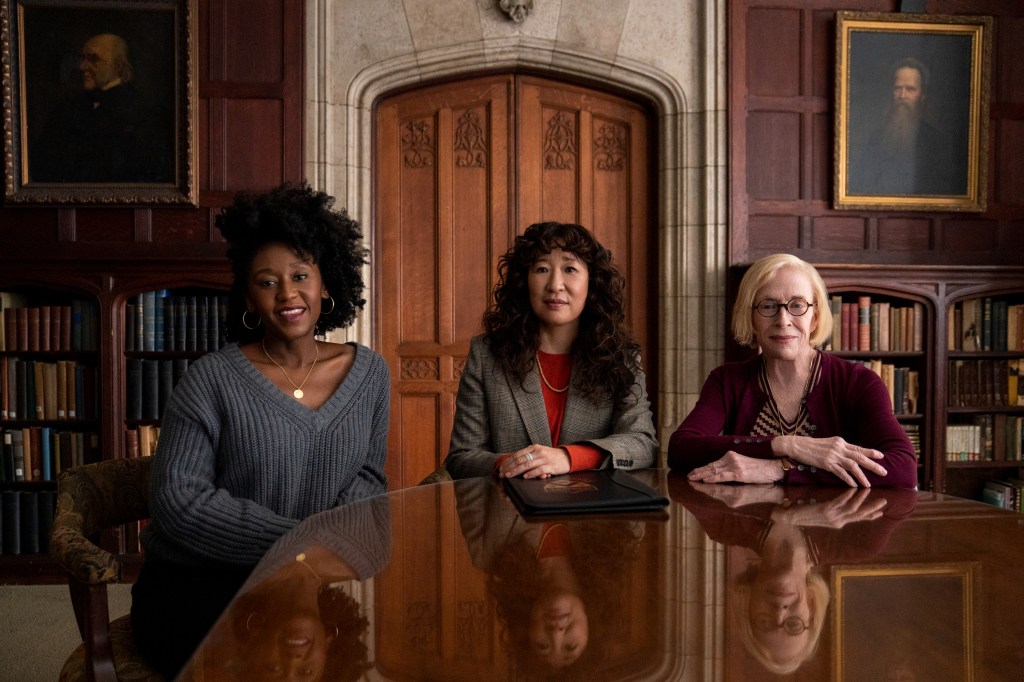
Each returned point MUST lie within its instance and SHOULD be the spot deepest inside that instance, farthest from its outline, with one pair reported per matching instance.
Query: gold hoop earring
(328, 312)
(249, 624)
(259, 320)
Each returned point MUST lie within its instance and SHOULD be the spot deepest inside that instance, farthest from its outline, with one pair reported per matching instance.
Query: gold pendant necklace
(298, 389)
(540, 368)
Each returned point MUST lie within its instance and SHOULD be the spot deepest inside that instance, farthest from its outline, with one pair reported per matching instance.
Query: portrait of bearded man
(908, 154)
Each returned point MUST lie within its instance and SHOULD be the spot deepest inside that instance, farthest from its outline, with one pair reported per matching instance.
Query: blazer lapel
(579, 415)
(530, 404)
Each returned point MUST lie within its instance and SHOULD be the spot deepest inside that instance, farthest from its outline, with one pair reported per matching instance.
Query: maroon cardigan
(849, 400)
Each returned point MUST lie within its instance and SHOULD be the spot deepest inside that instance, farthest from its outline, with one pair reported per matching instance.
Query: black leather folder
(606, 491)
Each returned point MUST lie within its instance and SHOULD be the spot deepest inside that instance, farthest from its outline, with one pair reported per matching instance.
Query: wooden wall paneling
(782, 59)
(443, 218)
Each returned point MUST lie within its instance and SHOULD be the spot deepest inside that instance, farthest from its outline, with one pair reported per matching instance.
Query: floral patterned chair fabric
(438, 475)
(92, 498)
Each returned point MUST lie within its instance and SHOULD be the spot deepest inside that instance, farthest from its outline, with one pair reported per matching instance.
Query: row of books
(1005, 494)
(985, 383)
(903, 384)
(61, 328)
(985, 324)
(988, 438)
(866, 325)
(26, 519)
(161, 321)
(34, 390)
(150, 384)
(914, 434)
(39, 453)
(141, 441)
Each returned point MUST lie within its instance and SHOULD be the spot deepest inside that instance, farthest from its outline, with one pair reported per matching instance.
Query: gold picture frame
(911, 111)
(99, 101)
(904, 618)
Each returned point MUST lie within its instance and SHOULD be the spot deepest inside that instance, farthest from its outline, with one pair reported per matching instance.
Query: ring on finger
(529, 456)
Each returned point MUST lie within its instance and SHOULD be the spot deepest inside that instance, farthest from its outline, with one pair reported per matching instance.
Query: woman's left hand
(535, 461)
(736, 468)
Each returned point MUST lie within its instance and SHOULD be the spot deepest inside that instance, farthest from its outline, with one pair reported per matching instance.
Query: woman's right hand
(736, 468)
(834, 454)
(851, 506)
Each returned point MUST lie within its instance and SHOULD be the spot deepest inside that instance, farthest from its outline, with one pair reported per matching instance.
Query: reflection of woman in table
(780, 600)
(294, 620)
(557, 587)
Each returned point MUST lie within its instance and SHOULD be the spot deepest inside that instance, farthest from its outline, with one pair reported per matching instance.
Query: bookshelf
(88, 408)
(49, 408)
(984, 402)
(945, 367)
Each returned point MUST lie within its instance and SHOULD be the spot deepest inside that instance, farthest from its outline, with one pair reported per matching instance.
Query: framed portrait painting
(911, 111)
(904, 621)
(99, 102)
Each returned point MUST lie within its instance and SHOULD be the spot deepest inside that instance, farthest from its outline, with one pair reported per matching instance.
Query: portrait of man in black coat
(108, 131)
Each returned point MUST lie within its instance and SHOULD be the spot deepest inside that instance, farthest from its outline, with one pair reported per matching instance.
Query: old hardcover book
(44, 328)
(33, 329)
(863, 323)
(606, 491)
(8, 456)
(8, 325)
(18, 454)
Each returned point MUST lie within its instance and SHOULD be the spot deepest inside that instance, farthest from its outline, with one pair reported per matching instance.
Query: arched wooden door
(460, 169)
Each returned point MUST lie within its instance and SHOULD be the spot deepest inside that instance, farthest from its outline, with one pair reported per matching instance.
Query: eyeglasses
(794, 306)
(792, 625)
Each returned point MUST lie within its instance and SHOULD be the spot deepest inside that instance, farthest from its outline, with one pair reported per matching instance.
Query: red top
(558, 372)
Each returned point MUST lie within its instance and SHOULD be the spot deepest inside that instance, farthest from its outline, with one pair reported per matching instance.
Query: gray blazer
(494, 415)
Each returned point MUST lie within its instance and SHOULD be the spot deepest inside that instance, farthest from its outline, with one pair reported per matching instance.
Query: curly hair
(347, 656)
(304, 220)
(600, 552)
(605, 355)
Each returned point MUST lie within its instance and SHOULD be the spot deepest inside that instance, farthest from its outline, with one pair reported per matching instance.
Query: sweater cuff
(584, 457)
(497, 463)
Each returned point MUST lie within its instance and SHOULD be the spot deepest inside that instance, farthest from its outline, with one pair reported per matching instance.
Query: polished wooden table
(449, 582)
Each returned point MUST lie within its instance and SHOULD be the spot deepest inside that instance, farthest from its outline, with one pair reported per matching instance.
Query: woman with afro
(274, 427)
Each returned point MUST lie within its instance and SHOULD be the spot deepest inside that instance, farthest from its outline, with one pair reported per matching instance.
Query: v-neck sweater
(239, 462)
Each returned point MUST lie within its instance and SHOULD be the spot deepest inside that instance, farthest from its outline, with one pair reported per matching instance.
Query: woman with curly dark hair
(268, 430)
(554, 384)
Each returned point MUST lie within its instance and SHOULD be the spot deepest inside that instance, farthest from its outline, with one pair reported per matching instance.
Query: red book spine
(44, 328)
(864, 323)
(33, 329)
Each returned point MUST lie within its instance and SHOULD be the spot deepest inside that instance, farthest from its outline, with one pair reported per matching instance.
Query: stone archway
(690, 169)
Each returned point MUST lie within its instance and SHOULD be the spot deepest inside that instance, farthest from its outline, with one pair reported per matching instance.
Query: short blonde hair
(818, 599)
(756, 276)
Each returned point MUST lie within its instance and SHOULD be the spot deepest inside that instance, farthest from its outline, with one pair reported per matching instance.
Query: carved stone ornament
(517, 10)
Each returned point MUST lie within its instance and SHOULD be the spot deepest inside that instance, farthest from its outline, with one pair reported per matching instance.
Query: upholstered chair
(438, 475)
(90, 499)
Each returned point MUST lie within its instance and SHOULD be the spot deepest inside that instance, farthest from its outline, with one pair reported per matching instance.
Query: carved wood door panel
(460, 169)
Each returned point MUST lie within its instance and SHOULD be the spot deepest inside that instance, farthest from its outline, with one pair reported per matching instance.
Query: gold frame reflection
(904, 622)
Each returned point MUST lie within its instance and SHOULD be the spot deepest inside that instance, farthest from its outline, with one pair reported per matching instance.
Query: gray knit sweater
(239, 462)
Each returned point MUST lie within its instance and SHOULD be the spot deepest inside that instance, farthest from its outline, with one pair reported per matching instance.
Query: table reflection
(559, 588)
(734, 583)
(295, 619)
(778, 595)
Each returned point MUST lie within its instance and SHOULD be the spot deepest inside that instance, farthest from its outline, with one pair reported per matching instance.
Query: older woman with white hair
(792, 413)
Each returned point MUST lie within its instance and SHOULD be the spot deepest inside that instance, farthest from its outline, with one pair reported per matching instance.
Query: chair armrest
(80, 557)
